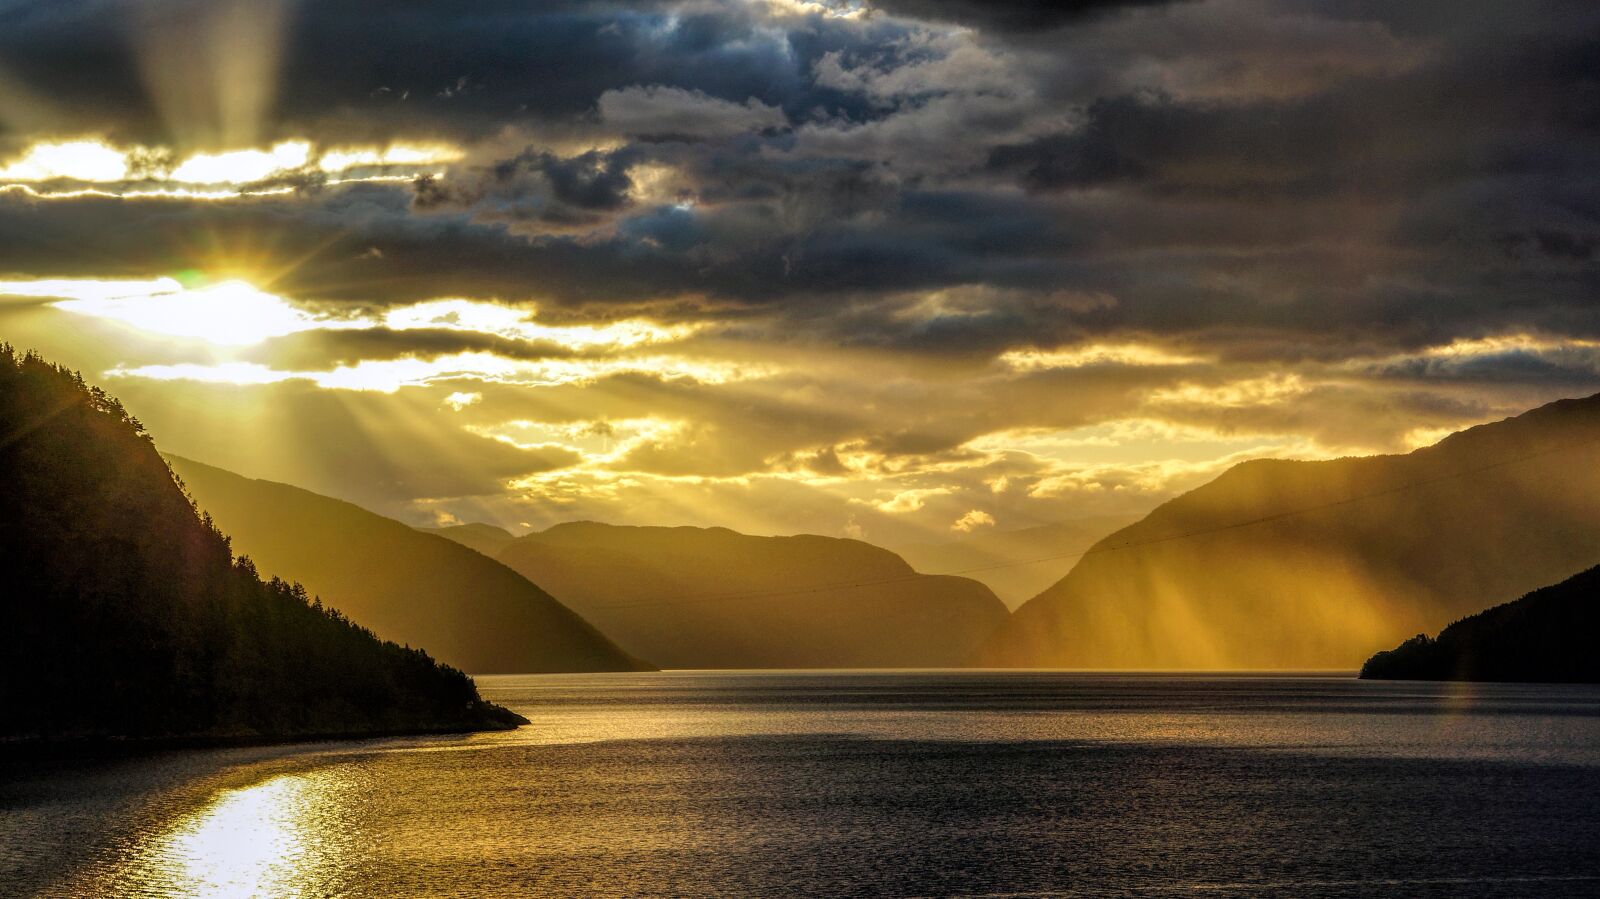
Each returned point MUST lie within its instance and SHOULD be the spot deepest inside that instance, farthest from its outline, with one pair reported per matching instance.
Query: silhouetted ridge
(713, 598)
(125, 613)
(1546, 636)
(485, 538)
(1291, 564)
(409, 586)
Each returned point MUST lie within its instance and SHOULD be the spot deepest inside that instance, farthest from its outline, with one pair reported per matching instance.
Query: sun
(228, 313)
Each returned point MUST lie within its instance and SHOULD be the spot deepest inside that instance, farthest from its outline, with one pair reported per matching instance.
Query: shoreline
(117, 747)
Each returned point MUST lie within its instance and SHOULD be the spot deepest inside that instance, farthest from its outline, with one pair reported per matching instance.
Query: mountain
(1285, 564)
(1018, 564)
(485, 538)
(1546, 636)
(411, 587)
(712, 598)
(125, 614)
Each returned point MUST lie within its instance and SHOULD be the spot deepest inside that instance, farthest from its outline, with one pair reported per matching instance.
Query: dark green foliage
(124, 613)
(1547, 636)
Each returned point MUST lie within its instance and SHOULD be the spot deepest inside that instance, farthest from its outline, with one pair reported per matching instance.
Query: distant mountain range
(1318, 564)
(1546, 636)
(712, 598)
(410, 587)
(487, 539)
(1018, 564)
(125, 614)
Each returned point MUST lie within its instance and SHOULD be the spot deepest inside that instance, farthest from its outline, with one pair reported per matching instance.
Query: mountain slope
(713, 598)
(125, 614)
(410, 587)
(1546, 636)
(1238, 574)
(484, 538)
(1018, 564)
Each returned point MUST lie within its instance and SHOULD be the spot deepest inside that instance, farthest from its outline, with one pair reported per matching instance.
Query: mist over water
(906, 783)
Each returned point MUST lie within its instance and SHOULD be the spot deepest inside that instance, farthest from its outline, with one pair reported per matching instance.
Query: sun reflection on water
(289, 835)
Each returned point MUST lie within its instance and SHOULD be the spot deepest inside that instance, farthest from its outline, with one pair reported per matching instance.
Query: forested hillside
(126, 614)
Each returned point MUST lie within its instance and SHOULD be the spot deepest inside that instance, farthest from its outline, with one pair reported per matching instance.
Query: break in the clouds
(883, 268)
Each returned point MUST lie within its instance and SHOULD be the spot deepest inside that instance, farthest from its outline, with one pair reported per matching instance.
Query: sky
(900, 269)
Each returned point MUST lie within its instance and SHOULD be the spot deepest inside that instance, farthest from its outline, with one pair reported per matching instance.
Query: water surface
(906, 783)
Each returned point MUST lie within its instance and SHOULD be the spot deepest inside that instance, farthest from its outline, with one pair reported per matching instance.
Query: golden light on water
(284, 836)
(247, 844)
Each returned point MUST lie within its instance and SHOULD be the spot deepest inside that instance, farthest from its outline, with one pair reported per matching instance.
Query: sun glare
(343, 159)
(243, 166)
(390, 375)
(93, 167)
(274, 838)
(79, 160)
(235, 313)
(231, 313)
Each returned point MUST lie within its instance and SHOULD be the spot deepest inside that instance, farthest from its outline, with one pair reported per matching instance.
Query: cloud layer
(898, 267)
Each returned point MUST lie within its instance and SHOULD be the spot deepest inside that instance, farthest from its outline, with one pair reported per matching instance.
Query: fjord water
(905, 783)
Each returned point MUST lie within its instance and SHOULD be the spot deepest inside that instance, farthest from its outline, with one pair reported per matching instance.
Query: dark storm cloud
(353, 70)
(1577, 368)
(77, 59)
(1309, 174)
(1013, 15)
(1496, 112)
(589, 181)
(320, 350)
(925, 240)
(1314, 225)
(539, 187)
